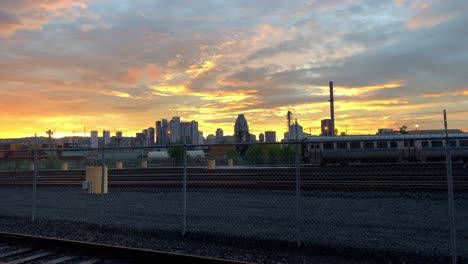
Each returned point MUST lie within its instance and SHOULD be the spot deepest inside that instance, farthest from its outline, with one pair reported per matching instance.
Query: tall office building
(261, 137)
(194, 132)
(174, 128)
(185, 132)
(201, 140)
(189, 132)
(150, 135)
(118, 137)
(326, 125)
(241, 129)
(219, 135)
(94, 139)
(270, 136)
(106, 137)
(162, 132)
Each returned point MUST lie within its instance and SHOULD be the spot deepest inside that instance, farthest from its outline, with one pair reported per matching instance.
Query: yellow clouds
(116, 94)
(120, 94)
(198, 69)
(355, 91)
(169, 90)
(224, 96)
(438, 95)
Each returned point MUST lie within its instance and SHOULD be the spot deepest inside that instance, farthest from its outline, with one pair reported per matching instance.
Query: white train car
(383, 148)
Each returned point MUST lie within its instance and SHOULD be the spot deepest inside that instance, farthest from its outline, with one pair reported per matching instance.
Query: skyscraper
(174, 128)
(326, 125)
(161, 132)
(94, 139)
(241, 129)
(106, 137)
(150, 136)
(219, 135)
(261, 137)
(194, 132)
(270, 136)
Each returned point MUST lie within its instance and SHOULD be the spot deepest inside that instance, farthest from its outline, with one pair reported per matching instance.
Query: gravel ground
(250, 225)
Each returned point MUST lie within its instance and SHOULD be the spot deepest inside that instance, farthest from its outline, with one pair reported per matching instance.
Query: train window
(382, 144)
(453, 143)
(393, 144)
(342, 145)
(409, 143)
(437, 143)
(328, 145)
(425, 144)
(355, 145)
(463, 143)
(368, 144)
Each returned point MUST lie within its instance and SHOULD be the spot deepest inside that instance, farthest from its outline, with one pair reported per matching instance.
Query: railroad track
(21, 248)
(357, 176)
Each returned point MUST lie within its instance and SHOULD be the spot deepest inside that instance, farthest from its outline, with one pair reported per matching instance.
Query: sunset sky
(121, 65)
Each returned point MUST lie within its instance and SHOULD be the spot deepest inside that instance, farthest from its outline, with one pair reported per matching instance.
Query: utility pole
(332, 110)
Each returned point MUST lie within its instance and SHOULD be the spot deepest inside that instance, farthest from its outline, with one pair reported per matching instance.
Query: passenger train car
(383, 148)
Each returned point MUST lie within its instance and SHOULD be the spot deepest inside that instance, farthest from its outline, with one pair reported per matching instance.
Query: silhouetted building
(296, 132)
(174, 128)
(201, 140)
(210, 139)
(241, 129)
(261, 137)
(385, 131)
(94, 139)
(219, 135)
(150, 136)
(162, 132)
(106, 137)
(270, 136)
(326, 125)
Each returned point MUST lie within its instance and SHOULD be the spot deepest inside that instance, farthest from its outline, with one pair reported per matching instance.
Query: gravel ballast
(251, 225)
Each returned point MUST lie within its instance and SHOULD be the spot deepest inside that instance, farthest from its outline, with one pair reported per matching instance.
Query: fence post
(33, 216)
(103, 171)
(184, 191)
(453, 235)
(298, 198)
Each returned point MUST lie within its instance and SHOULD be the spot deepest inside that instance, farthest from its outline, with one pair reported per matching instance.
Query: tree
(403, 129)
(176, 153)
(288, 153)
(255, 154)
(274, 154)
(232, 153)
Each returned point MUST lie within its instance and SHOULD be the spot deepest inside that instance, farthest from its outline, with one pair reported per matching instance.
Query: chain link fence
(383, 196)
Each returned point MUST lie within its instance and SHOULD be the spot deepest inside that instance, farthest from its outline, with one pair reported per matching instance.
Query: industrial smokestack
(332, 111)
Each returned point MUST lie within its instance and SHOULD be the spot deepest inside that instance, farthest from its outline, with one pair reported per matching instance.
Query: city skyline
(75, 65)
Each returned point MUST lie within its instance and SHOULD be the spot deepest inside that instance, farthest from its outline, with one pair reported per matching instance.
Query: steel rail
(134, 255)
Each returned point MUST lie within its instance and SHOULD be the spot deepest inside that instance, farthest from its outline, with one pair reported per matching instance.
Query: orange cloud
(154, 71)
(143, 73)
(33, 15)
(421, 21)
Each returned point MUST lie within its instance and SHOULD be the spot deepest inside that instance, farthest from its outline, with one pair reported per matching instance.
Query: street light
(416, 126)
